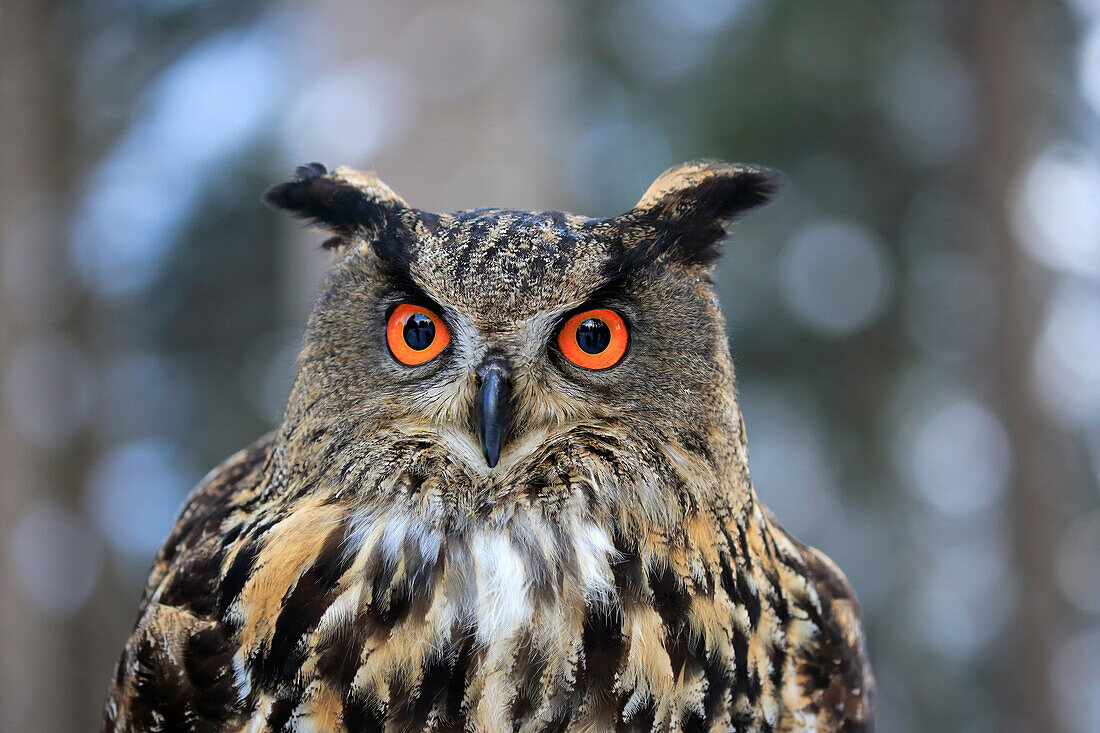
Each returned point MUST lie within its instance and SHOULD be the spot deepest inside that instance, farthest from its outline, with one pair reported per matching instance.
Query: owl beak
(493, 412)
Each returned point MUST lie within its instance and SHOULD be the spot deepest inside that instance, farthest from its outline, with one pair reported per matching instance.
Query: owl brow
(398, 270)
(402, 281)
(612, 289)
(616, 271)
(609, 290)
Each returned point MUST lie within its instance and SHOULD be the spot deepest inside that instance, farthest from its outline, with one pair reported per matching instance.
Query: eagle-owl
(510, 492)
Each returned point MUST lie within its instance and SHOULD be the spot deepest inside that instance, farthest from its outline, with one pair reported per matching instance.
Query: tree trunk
(1003, 50)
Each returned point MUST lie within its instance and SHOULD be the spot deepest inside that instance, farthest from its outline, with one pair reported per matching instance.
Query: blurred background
(916, 323)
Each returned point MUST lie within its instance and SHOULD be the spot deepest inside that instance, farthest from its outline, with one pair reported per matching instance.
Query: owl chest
(491, 584)
(498, 629)
(437, 624)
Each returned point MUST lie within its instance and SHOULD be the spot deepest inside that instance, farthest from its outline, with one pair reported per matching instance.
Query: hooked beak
(493, 411)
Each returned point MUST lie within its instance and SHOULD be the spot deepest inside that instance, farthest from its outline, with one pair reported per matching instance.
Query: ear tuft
(684, 212)
(724, 189)
(310, 171)
(345, 202)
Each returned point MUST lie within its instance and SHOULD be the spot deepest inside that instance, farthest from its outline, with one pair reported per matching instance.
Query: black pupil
(419, 332)
(593, 336)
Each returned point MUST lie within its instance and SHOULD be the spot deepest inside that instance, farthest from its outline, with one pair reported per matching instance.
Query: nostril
(492, 366)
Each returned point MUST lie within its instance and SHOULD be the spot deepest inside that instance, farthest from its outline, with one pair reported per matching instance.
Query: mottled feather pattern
(363, 569)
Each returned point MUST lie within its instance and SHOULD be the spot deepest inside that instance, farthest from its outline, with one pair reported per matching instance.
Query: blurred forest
(916, 323)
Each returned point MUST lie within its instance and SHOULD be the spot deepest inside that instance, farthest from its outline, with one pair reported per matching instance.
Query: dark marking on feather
(719, 680)
(420, 573)
(693, 722)
(277, 719)
(748, 597)
(529, 668)
(208, 660)
(191, 586)
(339, 660)
(670, 598)
(643, 719)
(238, 574)
(627, 570)
(602, 642)
(442, 685)
(389, 600)
(363, 712)
(745, 685)
(302, 608)
(160, 690)
(778, 659)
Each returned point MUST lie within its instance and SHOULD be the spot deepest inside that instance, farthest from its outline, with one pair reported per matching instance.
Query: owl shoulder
(177, 663)
(218, 495)
(833, 676)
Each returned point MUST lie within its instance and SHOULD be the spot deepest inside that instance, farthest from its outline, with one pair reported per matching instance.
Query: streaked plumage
(363, 568)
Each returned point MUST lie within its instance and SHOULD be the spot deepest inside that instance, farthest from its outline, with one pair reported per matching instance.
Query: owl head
(489, 335)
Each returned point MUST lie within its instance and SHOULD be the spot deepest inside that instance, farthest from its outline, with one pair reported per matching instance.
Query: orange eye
(594, 339)
(415, 334)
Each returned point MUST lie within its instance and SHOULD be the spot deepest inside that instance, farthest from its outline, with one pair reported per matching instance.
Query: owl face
(493, 332)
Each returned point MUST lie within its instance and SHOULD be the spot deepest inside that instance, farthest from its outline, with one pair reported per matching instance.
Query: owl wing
(176, 670)
(833, 684)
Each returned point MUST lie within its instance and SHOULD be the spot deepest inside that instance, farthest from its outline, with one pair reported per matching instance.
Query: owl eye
(594, 339)
(415, 334)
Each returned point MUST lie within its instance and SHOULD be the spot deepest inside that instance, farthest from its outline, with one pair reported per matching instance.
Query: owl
(510, 492)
